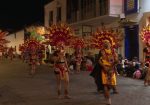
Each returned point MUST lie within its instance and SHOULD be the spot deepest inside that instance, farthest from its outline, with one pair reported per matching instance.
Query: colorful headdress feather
(145, 35)
(59, 33)
(102, 36)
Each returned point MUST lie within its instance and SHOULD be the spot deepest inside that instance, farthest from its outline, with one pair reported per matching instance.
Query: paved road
(18, 88)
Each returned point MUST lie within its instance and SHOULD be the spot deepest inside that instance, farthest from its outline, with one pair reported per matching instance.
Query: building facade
(85, 16)
(15, 39)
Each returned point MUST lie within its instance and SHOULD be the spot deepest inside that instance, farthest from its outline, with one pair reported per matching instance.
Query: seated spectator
(137, 74)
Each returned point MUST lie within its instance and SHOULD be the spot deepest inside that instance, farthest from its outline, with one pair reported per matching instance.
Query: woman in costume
(145, 36)
(61, 71)
(78, 43)
(31, 47)
(78, 58)
(59, 36)
(33, 60)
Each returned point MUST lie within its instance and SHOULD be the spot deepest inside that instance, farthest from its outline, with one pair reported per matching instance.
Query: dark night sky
(15, 14)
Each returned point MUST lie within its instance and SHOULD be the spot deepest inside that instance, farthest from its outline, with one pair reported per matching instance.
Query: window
(58, 14)
(72, 8)
(50, 18)
(88, 8)
(103, 7)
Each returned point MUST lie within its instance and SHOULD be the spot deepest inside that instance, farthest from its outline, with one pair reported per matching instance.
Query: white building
(84, 16)
(15, 39)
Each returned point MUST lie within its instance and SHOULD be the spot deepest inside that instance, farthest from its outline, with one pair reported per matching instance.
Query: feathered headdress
(58, 34)
(145, 35)
(3, 41)
(32, 44)
(77, 42)
(102, 37)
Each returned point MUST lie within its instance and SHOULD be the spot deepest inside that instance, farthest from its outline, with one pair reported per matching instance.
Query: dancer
(78, 58)
(78, 44)
(59, 36)
(33, 61)
(61, 71)
(31, 47)
(107, 41)
(108, 62)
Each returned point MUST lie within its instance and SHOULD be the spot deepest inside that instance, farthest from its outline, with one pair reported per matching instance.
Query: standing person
(60, 36)
(1, 54)
(107, 61)
(97, 74)
(10, 52)
(78, 58)
(33, 60)
(47, 53)
(61, 71)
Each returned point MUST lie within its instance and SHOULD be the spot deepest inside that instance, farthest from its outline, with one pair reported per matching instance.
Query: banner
(130, 6)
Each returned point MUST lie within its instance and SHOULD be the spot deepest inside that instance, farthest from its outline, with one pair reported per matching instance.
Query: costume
(107, 41)
(108, 72)
(60, 36)
(146, 52)
(78, 44)
(145, 36)
(3, 42)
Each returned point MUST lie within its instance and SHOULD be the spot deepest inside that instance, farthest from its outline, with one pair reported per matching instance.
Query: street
(18, 88)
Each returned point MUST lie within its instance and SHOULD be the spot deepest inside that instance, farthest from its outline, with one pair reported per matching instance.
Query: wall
(52, 6)
(16, 39)
(116, 7)
(144, 5)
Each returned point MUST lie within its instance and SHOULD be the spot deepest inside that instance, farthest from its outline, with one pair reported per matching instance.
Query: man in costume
(107, 41)
(108, 61)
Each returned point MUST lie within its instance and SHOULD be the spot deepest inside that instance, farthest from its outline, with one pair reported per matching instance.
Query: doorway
(131, 42)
